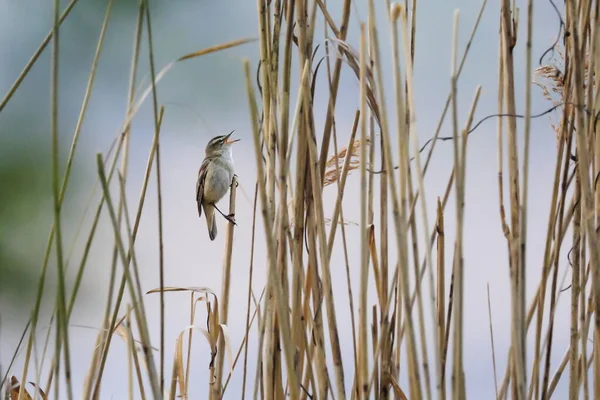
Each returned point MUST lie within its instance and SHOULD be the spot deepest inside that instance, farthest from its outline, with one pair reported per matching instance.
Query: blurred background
(204, 97)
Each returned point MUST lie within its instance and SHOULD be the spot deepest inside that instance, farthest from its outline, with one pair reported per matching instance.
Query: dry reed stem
(215, 388)
(586, 194)
(243, 345)
(134, 288)
(517, 328)
(317, 207)
(338, 214)
(296, 15)
(492, 341)
(549, 254)
(522, 270)
(555, 255)
(400, 224)
(401, 121)
(123, 283)
(341, 34)
(421, 185)
(441, 292)
(133, 352)
(250, 277)
(340, 178)
(364, 252)
(457, 268)
(273, 280)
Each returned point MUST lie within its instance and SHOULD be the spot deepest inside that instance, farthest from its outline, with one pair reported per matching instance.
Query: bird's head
(220, 143)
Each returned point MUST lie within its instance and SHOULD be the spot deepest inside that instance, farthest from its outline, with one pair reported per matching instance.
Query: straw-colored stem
(274, 282)
(364, 252)
(250, 277)
(574, 377)
(400, 223)
(134, 287)
(216, 387)
(323, 253)
(489, 303)
(441, 290)
(335, 80)
(522, 268)
(586, 194)
(136, 224)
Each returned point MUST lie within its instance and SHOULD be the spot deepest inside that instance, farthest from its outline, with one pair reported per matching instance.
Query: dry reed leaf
(14, 389)
(178, 365)
(197, 289)
(212, 333)
(340, 221)
(227, 341)
(121, 331)
(205, 333)
(213, 323)
(158, 77)
(40, 391)
(351, 57)
(212, 342)
(216, 48)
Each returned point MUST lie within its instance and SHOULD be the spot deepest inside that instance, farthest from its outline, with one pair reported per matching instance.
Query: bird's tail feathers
(211, 221)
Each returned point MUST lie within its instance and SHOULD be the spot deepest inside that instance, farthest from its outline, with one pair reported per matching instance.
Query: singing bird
(214, 179)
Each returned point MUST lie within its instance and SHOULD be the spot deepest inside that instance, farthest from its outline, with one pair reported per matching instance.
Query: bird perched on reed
(214, 179)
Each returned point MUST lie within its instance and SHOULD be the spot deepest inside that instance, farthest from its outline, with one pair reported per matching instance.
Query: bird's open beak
(227, 141)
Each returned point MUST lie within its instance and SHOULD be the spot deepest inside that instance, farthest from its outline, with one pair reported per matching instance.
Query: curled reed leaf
(351, 57)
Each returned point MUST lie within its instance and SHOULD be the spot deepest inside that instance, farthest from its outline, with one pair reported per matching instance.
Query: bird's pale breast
(218, 180)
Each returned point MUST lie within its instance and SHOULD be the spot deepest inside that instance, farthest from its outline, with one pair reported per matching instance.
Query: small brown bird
(214, 179)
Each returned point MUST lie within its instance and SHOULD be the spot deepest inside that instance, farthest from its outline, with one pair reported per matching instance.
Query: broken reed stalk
(518, 330)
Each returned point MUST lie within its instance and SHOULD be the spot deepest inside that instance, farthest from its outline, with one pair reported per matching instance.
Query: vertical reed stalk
(364, 269)
(216, 386)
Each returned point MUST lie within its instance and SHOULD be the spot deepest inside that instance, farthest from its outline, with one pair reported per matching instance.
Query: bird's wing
(200, 183)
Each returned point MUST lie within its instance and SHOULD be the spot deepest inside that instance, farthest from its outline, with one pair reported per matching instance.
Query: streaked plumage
(214, 179)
